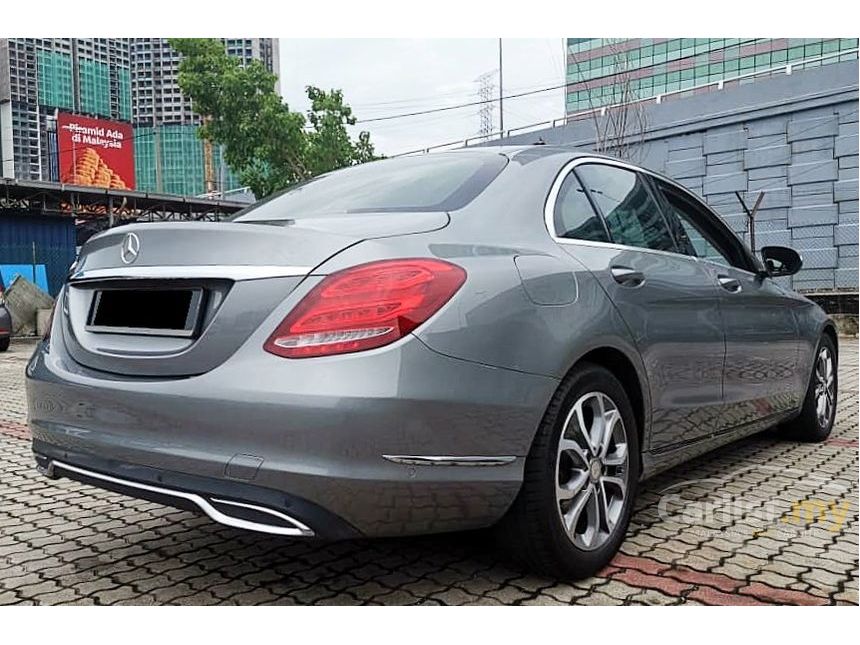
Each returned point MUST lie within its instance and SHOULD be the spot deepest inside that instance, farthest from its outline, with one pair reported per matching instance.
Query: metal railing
(786, 69)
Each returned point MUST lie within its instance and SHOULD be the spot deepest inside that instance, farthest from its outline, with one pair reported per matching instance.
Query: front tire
(815, 421)
(579, 481)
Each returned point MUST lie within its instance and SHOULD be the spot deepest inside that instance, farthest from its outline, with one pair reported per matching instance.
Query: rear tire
(574, 506)
(815, 421)
(4, 344)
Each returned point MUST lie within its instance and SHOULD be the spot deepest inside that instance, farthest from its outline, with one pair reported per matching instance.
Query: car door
(761, 333)
(605, 215)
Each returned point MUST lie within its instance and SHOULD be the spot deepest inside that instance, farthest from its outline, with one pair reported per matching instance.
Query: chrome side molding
(297, 530)
(237, 272)
(448, 460)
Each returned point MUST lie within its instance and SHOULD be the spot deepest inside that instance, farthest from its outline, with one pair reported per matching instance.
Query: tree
(266, 144)
(621, 124)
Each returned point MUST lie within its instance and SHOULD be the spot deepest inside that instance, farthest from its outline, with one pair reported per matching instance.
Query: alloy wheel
(592, 470)
(825, 387)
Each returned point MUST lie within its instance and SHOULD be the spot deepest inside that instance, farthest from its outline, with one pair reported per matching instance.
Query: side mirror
(781, 260)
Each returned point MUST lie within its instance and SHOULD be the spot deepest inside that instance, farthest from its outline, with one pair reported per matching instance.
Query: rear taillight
(366, 306)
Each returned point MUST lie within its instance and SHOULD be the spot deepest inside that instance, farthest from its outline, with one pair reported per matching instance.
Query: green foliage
(268, 146)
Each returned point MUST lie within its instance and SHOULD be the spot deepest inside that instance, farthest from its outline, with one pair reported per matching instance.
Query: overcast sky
(381, 77)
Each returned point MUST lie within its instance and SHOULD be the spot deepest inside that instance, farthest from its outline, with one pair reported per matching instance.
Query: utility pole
(501, 110)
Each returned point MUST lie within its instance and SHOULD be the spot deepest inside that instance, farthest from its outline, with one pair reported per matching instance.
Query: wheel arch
(829, 330)
(624, 369)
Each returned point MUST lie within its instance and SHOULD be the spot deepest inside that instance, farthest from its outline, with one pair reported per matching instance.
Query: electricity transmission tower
(486, 86)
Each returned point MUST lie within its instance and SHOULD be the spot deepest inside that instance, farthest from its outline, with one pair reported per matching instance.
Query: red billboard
(95, 152)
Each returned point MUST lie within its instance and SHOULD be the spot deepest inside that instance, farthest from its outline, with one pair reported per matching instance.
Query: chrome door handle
(730, 284)
(627, 277)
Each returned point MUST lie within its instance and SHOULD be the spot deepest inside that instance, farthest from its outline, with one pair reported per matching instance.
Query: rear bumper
(326, 442)
(236, 504)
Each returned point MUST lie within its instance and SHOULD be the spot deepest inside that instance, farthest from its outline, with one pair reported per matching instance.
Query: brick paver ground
(761, 521)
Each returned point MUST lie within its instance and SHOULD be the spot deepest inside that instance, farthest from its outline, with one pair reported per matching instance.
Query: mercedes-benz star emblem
(130, 248)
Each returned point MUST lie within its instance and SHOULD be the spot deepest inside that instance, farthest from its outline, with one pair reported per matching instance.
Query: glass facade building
(603, 71)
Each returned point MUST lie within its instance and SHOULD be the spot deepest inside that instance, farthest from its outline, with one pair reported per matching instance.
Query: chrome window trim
(549, 209)
(236, 273)
(202, 503)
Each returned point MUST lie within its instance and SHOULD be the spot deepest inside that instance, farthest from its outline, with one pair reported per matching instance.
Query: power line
(459, 106)
(509, 96)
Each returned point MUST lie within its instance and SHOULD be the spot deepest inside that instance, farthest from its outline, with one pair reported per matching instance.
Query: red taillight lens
(365, 306)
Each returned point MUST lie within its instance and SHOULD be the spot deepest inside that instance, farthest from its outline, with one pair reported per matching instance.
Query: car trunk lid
(177, 299)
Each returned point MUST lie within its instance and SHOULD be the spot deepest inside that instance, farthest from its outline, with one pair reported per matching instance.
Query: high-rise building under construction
(120, 80)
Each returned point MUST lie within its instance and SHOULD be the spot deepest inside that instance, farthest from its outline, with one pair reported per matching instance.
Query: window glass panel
(427, 183)
(574, 217)
(631, 215)
(682, 217)
(812, 50)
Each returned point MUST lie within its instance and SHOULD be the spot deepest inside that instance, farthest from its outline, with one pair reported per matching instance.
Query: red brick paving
(16, 430)
(710, 596)
(710, 588)
(782, 596)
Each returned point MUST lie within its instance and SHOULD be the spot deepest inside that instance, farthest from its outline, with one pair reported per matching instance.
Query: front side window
(574, 216)
(631, 214)
(688, 224)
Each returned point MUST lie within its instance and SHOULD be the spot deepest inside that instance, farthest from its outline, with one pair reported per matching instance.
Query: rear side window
(631, 214)
(574, 216)
(428, 183)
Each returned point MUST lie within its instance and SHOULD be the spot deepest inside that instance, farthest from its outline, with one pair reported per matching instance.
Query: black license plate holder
(146, 311)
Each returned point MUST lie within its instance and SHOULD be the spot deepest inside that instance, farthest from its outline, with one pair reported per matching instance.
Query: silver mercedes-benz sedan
(507, 337)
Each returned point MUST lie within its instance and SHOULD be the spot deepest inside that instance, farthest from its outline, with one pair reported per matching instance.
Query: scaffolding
(56, 86)
(95, 87)
(170, 159)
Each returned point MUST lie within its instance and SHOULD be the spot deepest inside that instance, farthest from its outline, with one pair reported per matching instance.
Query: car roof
(538, 150)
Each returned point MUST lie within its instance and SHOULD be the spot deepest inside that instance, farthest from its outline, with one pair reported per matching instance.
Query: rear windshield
(440, 182)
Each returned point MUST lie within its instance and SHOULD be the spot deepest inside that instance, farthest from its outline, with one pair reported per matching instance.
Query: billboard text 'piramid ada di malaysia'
(95, 152)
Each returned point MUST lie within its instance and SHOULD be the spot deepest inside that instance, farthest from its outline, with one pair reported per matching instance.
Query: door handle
(627, 277)
(729, 284)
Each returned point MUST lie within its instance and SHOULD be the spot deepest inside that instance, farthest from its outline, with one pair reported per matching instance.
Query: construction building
(121, 80)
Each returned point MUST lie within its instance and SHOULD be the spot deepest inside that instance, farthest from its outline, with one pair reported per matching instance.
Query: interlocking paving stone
(67, 543)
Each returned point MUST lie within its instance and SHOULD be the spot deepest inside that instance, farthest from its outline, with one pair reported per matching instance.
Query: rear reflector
(366, 306)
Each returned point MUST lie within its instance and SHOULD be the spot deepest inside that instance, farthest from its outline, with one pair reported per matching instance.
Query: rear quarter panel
(492, 319)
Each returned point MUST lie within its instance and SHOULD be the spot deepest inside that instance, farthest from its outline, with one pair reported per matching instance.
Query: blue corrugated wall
(40, 241)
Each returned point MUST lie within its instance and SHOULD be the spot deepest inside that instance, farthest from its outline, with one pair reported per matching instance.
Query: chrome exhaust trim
(297, 530)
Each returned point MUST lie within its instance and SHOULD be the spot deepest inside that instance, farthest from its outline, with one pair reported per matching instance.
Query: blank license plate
(154, 312)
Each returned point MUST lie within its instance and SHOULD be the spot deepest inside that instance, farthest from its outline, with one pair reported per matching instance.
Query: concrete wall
(794, 137)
